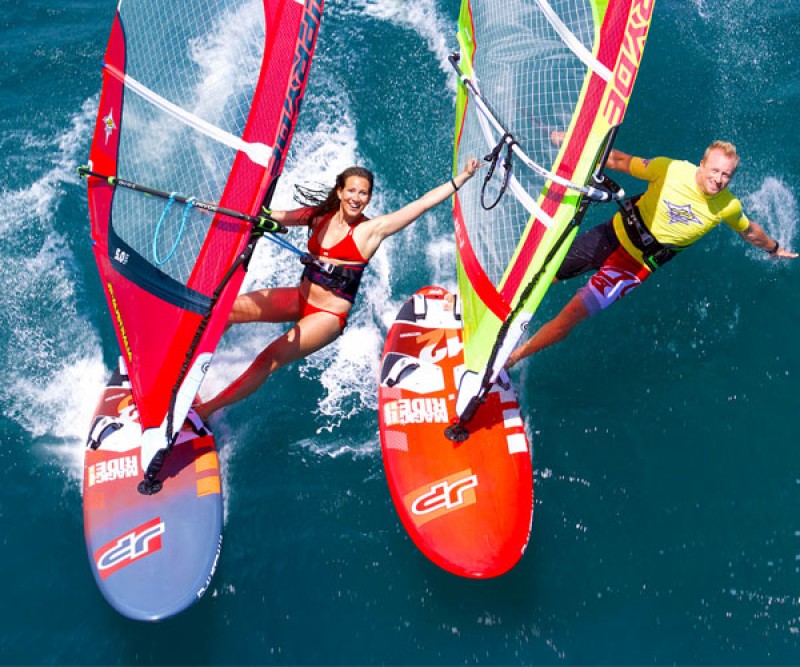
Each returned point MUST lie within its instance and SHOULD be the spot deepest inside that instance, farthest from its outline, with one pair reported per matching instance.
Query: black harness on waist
(654, 253)
(341, 279)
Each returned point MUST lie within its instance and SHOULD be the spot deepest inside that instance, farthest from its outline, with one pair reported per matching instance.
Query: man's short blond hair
(726, 147)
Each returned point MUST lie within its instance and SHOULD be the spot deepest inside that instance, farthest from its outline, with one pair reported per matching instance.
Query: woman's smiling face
(355, 195)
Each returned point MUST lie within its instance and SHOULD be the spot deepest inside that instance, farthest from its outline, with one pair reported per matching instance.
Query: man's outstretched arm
(756, 236)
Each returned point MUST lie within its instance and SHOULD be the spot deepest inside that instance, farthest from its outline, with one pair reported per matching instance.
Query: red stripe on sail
(478, 279)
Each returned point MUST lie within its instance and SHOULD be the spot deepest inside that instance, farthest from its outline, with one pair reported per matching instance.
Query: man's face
(715, 172)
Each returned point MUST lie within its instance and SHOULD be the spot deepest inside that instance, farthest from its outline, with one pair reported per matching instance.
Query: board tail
(151, 557)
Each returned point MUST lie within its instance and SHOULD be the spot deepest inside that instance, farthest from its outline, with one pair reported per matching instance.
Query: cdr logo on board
(443, 496)
(135, 545)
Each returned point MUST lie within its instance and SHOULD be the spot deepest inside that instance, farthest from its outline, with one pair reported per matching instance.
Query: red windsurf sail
(199, 100)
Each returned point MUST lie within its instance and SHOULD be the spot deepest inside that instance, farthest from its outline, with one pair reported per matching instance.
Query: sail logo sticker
(443, 496)
(126, 467)
(121, 256)
(109, 125)
(630, 58)
(120, 324)
(415, 411)
(135, 545)
(302, 62)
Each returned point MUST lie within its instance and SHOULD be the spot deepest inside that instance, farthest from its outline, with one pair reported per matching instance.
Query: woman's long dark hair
(323, 200)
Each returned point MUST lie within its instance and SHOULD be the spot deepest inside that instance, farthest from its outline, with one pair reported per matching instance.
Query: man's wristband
(775, 249)
(455, 187)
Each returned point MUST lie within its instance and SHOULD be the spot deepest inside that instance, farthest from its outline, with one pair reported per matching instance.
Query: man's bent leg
(619, 274)
(553, 331)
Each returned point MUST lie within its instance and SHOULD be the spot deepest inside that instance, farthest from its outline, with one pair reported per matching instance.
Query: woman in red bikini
(342, 242)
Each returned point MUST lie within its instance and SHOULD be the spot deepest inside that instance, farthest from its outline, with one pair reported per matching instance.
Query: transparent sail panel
(531, 78)
(205, 57)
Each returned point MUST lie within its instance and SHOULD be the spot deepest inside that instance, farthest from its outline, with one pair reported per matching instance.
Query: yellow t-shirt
(674, 209)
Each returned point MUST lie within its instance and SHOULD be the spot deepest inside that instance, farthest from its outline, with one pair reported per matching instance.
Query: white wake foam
(51, 355)
(774, 207)
(422, 17)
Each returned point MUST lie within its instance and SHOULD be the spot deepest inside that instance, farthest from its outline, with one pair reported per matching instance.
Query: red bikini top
(345, 250)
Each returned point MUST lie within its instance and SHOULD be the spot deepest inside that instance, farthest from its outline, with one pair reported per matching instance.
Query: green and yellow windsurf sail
(544, 87)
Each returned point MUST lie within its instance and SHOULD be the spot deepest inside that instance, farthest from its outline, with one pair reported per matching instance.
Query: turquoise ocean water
(666, 461)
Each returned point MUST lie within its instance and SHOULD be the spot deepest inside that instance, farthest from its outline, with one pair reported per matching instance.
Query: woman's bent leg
(310, 334)
(277, 304)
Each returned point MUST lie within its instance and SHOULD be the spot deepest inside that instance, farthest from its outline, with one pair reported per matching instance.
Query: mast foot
(456, 433)
(148, 487)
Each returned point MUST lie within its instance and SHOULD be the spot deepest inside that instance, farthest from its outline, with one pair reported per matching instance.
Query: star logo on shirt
(109, 124)
(682, 214)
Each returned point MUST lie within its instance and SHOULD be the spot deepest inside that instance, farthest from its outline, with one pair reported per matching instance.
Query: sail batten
(573, 42)
(559, 73)
(258, 152)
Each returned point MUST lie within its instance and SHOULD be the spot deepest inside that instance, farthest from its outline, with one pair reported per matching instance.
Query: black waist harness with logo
(654, 253)
(341, 279)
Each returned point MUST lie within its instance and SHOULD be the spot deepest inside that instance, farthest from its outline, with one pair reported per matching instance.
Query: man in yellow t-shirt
(682, 203)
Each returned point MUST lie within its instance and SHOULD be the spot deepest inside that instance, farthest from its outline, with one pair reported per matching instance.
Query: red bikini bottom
(307, 309)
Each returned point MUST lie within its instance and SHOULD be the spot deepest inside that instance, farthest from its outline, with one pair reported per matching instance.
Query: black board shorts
(589, 251)
(617, 272)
